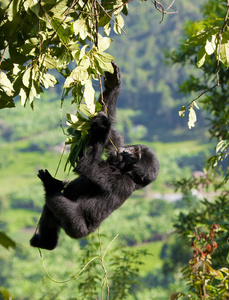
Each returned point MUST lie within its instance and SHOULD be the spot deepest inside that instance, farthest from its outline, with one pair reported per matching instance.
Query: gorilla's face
(125, 157)
(138, 161)
(129, 154)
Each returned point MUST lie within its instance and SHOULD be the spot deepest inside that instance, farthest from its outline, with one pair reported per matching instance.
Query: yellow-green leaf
(27, 77)
(191, 117)
(89, 96)
(6, 85)
(210, 45)
(224, 51)
(201, 57)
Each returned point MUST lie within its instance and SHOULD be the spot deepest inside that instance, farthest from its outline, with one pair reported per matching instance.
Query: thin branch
(96, 23)
(158, 5)
(73, 4)
(204, 92)
(73, 277)
(171, 4)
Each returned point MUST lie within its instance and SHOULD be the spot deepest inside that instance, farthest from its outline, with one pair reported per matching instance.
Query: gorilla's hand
(112, 80)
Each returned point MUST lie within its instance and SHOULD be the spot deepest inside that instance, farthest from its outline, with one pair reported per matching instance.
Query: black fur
(80, 206)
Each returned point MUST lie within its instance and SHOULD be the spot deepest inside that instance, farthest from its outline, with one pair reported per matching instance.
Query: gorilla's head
(138, 161)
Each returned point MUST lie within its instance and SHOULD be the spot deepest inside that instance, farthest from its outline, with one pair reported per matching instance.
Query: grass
(153, 260)
(20, 219)
(188, 148)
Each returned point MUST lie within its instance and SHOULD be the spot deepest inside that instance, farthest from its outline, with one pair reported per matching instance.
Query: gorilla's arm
(92, 166)
(112, 84)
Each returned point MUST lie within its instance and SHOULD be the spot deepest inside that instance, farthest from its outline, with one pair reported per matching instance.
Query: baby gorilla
(80, 206)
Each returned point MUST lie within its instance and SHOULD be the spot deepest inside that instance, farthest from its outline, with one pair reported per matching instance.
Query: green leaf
(224, 51)
(27, 77)
(6, 85)
(105, 57)
(182, 111)
(104, 61)
(89, 96)
(6, 101)
(58, 26)
(85, 112)
(222, 146)
(210, 46)
(82, 51)
(49, 62)
(31, 4)
(201, 37)
(13, 8)
(79, 74)
(6, 241)
(107, 29)
(80, 27)
(103, 42)
(119, 24)
(23, 96)
(201, 57)
(48, 80)
(104, 21)
(77, 124)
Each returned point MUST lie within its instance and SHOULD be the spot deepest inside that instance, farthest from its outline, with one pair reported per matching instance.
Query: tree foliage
(206, 46)
(38, 37)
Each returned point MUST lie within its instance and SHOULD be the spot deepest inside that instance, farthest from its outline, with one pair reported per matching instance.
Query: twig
(73, 277)
(62, 154)
(158, 5)
(105, 279)
(101, 258)
(204, 92)
(73, 4)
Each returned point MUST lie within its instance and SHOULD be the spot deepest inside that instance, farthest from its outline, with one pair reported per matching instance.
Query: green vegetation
(145, 260)
(146, 230)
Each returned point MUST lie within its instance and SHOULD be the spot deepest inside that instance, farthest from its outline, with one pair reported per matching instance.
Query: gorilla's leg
(67, 213)
(49, 227)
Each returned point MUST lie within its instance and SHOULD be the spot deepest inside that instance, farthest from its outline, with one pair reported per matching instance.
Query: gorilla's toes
(44, 175)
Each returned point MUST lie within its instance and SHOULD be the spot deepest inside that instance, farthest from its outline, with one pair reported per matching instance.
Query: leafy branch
(212, 40)
(204, 281)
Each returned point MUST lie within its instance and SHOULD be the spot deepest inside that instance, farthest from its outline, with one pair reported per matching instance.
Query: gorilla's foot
(51, 183)
(37, 242)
